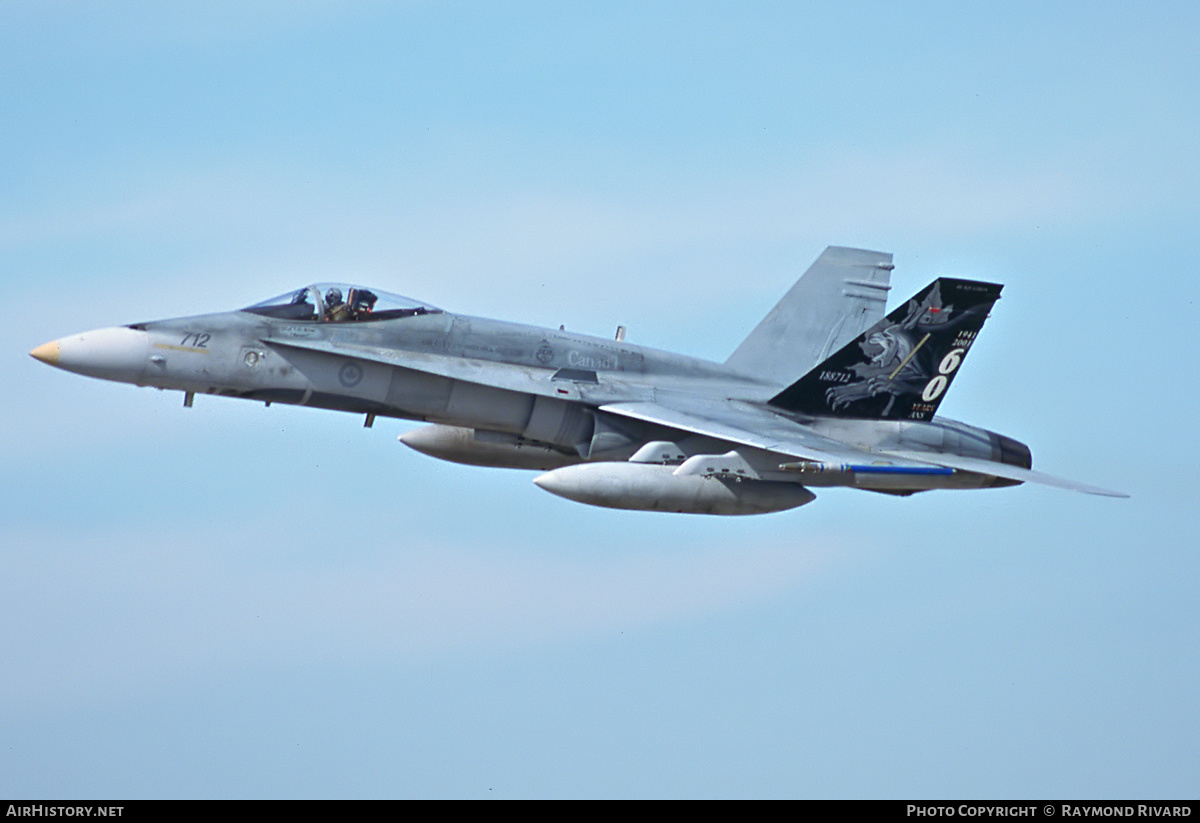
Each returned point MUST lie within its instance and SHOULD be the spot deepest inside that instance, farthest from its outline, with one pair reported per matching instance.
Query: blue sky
(232, 601)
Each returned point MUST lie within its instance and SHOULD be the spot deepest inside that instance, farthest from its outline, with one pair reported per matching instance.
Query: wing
(748, 424)
(742, 424)
(485, 372)
(734, 421)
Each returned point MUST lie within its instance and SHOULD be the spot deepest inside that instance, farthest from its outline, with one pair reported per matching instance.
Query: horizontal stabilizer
(989, 467)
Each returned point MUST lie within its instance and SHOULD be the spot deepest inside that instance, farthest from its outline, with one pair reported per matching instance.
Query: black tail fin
(900, 368)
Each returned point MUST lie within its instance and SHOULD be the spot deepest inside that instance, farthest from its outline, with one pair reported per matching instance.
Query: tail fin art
(901, 367)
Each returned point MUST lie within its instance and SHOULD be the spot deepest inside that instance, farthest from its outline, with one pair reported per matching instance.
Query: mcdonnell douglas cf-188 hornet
(826, 390)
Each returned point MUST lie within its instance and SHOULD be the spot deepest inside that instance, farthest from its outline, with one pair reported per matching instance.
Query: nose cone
(110, 354)
(47, 353)
(438, 441)
(554, 483)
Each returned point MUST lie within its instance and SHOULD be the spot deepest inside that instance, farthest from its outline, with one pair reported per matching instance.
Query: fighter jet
(825, 391)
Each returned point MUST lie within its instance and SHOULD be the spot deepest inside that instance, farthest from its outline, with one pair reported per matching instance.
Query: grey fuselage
(244, 355)
(517, 387)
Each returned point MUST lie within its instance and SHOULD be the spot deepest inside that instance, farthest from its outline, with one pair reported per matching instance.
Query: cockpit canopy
(339, 303)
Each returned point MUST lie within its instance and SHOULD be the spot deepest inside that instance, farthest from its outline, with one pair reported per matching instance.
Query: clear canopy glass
(340, 303)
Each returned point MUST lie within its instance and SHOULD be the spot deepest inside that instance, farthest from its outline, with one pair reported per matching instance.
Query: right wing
(744, 424)
(747, 424)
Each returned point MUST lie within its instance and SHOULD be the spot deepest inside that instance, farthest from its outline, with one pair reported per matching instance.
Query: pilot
(336, 309)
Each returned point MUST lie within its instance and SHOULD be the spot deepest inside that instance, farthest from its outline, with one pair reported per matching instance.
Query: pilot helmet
(333, 296)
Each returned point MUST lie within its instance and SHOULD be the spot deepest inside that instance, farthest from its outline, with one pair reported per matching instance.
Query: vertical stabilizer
(843, 293)
(900, 368)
